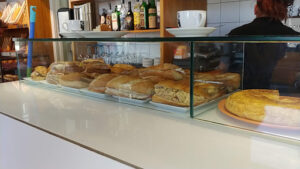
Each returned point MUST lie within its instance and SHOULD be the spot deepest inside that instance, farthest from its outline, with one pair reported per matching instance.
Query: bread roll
(265, 106)
(74, 80)
(165, 66)
(93, 70)
(165, 71)
(99, 84)
(166, 74)
(58, 69)
(131, 87)
(230, 80)
(40, 73)
(91, 61)
(177, 93)
(119, 68)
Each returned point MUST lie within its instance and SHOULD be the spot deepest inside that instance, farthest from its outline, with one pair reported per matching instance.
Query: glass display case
(249, 83)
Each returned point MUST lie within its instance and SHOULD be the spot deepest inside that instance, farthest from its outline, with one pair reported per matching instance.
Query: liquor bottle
(103, 17)
(115, 17)
(152, 15)
(136, 15)
(123, 13)
(129, 18)
(144, 15)
(108, 17)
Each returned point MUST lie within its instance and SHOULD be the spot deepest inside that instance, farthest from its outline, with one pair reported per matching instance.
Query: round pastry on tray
(265, 106)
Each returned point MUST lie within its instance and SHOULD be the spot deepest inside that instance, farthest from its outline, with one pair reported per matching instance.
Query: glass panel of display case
(269, 99)
(248, 83)
(123, 72)
(217, 73)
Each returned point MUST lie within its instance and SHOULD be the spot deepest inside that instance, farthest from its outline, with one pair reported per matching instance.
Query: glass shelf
(260, 39)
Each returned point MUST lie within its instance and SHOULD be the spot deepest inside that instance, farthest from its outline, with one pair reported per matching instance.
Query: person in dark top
(260, 59)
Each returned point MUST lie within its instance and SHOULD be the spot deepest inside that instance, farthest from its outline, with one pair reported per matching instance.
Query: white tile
(143, 49)
(230, 12)
(213, 13)
(217, 31)
(213, 1)
(155, 50)
(227, 27)
(247, 11)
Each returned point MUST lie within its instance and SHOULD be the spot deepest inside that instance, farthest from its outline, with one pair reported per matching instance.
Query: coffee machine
(64, 15)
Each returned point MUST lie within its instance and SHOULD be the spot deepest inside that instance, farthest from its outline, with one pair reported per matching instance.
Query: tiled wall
(226, 15)
(222, 14)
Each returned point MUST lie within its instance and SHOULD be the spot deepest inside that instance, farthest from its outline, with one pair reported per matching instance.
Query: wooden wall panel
(168, 18)
(42, 27)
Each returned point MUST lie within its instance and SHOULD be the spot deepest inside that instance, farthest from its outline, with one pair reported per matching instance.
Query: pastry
(57, 69)
(131, 87)
(95, 69)
(165, 71)
(74, 80)
(119, 68)
(177, 93)
(91, 61)
(39, 73)
(230, 80)
(265, 106)
(98, 85)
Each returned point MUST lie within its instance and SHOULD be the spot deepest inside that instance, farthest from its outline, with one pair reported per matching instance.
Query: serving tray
(131, 101)
(94, 94)
(223, 109)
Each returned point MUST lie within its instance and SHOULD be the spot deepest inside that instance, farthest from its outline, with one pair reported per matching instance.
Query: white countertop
(144, 137)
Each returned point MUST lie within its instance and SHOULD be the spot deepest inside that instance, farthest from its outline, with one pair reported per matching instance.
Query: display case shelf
(196, 93)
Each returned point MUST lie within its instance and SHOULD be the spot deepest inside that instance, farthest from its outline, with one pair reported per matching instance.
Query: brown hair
(276, 9)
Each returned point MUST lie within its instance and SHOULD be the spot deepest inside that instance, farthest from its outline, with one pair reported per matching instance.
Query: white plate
(103, 34)
(170, 108)
(131, 101)
(191, 32)
(71, 35)
(93, 94)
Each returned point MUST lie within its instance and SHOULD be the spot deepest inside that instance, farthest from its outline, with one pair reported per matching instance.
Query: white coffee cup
(191, 18)
(73, 25)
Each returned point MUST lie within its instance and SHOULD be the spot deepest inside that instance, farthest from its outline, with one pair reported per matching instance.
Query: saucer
(191, 32)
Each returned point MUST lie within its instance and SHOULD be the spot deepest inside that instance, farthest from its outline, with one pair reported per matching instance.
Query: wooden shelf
(16, 26)
(144, 31)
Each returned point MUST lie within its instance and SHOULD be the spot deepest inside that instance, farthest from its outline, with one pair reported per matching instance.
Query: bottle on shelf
(103, 17)
(123, 13)
(115, 17)
(129, 21)
(144, 15)
(152, 15)
(108, 17)
(136, 15)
